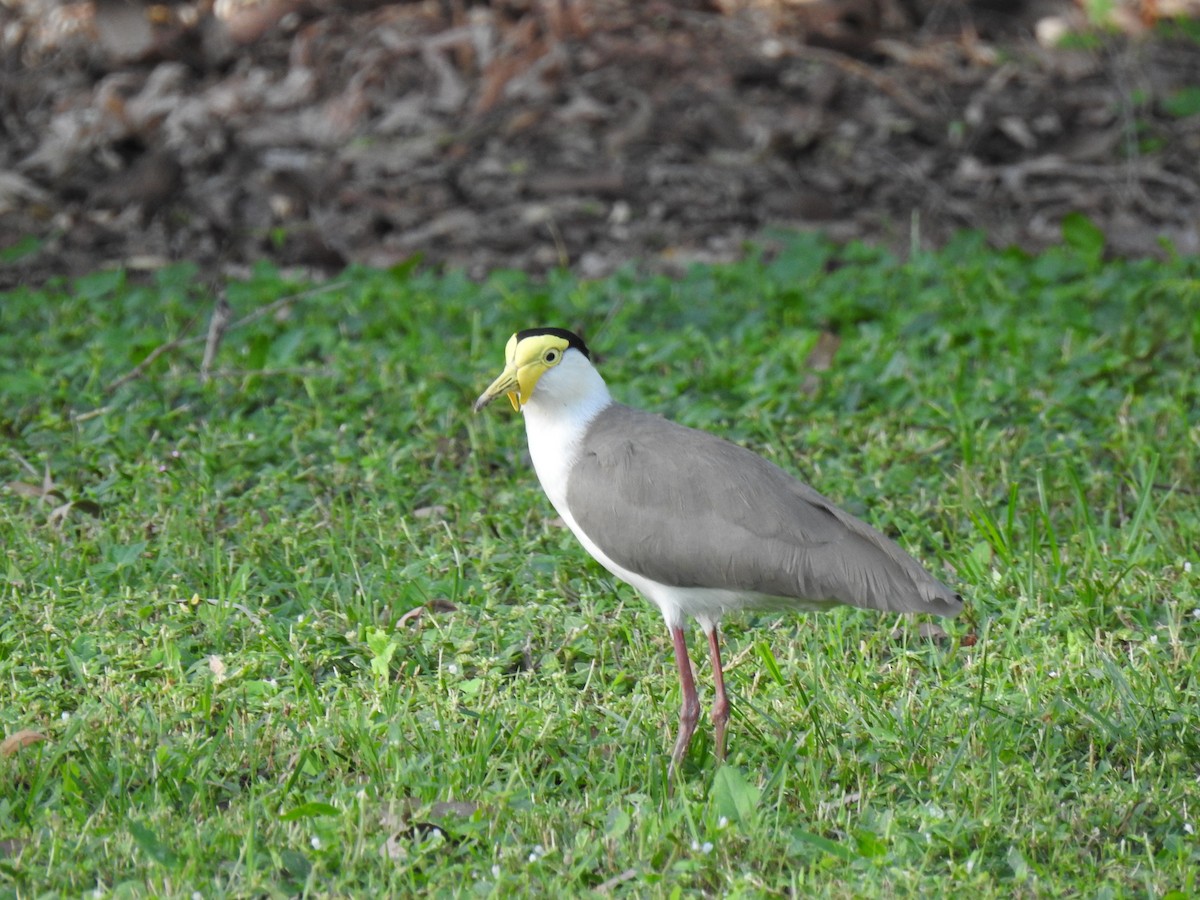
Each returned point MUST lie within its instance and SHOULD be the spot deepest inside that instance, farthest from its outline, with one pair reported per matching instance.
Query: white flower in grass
(316, 842)
(538, 852)
(723, 822)
(706, 847)
(495, 870)
(452, 668)
(1053, 673)
(1187, 566)
(1187, 826)
(196, 895)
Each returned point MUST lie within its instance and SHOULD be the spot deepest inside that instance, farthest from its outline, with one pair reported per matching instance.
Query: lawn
(295, 622)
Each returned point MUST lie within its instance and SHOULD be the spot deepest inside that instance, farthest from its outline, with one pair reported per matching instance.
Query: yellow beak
(507, 383)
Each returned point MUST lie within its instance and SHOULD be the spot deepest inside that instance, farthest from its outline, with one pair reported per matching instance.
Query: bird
(698, 525)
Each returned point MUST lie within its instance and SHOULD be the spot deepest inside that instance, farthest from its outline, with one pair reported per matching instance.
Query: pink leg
(720, 708)
(689, 713)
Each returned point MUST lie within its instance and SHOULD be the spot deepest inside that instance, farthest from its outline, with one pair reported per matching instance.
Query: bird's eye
(551, 356)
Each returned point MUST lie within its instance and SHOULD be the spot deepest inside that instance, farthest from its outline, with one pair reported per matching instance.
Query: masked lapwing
(700, 526)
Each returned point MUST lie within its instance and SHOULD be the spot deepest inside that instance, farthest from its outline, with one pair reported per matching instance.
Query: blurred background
(536, 134)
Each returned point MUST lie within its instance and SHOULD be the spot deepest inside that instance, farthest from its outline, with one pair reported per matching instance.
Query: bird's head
(529, 356)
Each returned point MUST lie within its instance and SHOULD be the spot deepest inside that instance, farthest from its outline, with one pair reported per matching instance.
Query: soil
(590, 135)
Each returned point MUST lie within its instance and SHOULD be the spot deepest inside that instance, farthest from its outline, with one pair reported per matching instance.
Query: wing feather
(688, 509)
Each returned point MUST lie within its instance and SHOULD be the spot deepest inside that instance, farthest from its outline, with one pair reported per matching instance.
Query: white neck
(557, 416)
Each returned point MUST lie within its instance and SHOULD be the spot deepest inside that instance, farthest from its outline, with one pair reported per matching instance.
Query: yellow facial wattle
(525, 363)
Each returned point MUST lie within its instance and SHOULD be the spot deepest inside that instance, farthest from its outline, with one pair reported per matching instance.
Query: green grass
(207, 615)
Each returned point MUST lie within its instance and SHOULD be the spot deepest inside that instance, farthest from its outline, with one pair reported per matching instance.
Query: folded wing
(688, 509)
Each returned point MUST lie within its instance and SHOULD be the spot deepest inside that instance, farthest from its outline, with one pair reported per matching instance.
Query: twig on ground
(298, 371)
(276, 305)
(863, 72)
(216, 330)
(181, 341)
(136, 371)
(616, 881)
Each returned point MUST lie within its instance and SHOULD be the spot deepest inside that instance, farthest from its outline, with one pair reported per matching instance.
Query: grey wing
(688, 509)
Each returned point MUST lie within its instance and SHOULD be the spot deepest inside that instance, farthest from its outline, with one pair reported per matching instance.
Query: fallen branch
(216, 330)
(214, 336)
(294, 371)
(863, 72)
(136, 371)
(275, 305)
